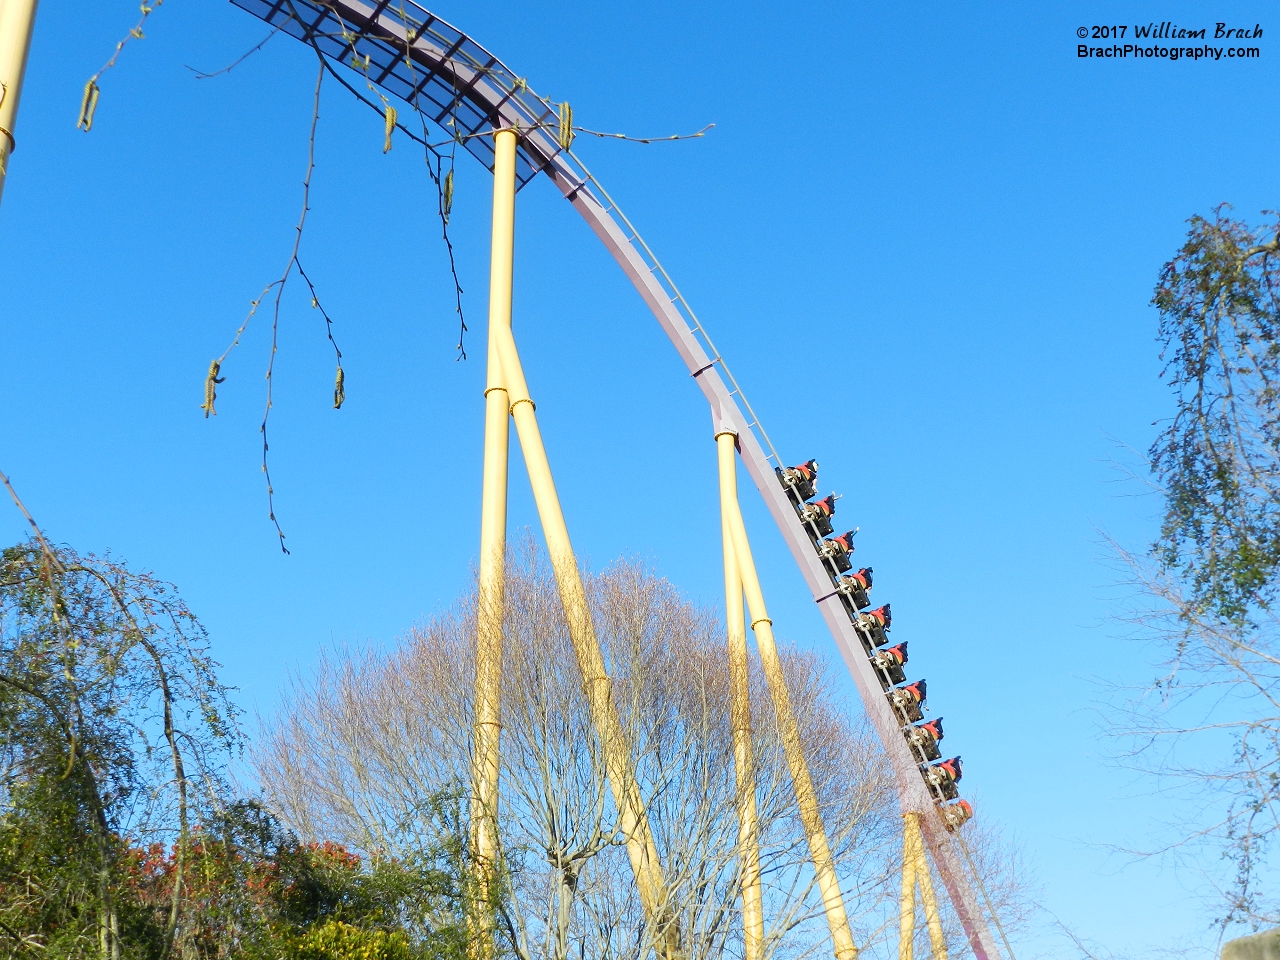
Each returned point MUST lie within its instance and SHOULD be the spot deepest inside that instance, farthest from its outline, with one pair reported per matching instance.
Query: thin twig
(227, 69)
(340, 379)
(623, 136)
(548, 128)
(44, 544)
(90, 102)
(444, 191)
(278, 286)
(275, 313)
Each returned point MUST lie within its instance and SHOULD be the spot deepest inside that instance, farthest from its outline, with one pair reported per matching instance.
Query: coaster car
(874, 623)
(889, 662)
(908, 701)
(943, 777)
(836, 551)
(817, 515)
(799, 481)
(854, 588)
(955, 815)
(924, 740)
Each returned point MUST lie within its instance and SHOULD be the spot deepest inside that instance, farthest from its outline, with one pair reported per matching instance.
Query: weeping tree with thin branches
(1209, 726)
(114, 729)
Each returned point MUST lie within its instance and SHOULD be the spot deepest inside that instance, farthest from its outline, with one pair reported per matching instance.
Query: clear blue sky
(925, 236)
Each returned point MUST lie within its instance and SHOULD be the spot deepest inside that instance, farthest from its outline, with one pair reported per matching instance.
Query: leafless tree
(1206, 730)
(356, 750)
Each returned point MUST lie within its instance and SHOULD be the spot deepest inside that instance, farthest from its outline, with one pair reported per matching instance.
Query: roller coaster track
(411, 54)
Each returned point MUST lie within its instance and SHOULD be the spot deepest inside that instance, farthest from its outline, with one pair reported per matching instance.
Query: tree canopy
(120, 834)
(1219, 456)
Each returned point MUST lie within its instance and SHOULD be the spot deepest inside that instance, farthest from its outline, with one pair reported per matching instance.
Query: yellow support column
(931, 916)
(493, 546)
(740, 708)
(915, 869)
(907, 908)
(16, 20)
(806, 798)
(633, 822)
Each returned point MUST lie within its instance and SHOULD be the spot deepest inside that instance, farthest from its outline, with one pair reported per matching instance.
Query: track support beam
(17, 17)
(491, 590)
(788, 729)
(633, 821)
(915, 870)
(740, 709)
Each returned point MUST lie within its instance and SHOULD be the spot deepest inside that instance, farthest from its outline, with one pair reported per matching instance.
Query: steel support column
(740, 706)
(633, 821)
(493, 546)
(915, 870)
(17, 17)
(788, 729)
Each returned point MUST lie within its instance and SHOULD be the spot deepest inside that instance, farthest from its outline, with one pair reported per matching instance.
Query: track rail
(413, 55)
